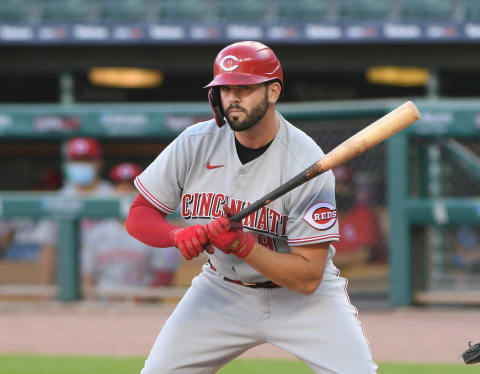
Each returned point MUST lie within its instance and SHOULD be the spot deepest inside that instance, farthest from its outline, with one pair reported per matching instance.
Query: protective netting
(362, 252)
(446, 257)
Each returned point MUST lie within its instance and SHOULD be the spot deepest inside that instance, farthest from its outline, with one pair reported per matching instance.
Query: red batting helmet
(245, 63)
(83, 149)
(242, 63)
(125, 172)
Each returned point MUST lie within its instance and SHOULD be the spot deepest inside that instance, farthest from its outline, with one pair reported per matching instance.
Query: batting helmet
(125, 172)
(242, 63)
(245, 63)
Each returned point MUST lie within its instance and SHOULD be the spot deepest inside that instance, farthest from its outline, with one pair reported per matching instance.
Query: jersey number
(267, 242)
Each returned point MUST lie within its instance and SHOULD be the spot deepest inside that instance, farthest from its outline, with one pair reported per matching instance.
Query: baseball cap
(83, 149)
(125, 172)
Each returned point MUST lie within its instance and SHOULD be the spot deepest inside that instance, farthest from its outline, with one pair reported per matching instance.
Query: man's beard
(251, 119)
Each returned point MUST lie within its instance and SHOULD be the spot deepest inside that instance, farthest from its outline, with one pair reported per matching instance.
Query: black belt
(268, 284)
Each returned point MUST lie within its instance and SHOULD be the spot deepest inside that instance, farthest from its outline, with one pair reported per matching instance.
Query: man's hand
(190, 240)
(229, 236)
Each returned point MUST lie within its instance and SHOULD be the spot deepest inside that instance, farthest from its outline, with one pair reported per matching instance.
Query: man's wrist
(171, 235)
(247, 246)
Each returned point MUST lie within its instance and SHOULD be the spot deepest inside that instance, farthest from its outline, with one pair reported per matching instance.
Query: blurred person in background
(360, 234)
(82, 178)
(83, 169)
(17, 240)
(18, 236)
(112, 259)
(50, 180)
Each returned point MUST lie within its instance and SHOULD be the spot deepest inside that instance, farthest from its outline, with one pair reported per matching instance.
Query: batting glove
(190, 240)
(229, 236)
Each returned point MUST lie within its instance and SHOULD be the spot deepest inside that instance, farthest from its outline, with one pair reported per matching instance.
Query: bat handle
(296, 181)
(208, 248)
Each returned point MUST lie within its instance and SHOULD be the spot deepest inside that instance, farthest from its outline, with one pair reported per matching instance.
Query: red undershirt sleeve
(148, 224)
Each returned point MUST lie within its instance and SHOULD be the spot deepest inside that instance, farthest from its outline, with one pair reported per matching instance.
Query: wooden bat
(377, 132)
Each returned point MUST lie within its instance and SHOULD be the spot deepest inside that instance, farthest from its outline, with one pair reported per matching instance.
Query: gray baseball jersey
(201, 172)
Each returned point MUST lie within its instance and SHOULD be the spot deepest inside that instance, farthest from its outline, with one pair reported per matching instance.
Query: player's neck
(262, 133)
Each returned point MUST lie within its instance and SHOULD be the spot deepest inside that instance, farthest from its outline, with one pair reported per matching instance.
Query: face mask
(81, 174)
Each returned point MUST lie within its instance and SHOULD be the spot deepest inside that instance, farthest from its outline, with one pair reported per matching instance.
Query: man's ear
(274, 90)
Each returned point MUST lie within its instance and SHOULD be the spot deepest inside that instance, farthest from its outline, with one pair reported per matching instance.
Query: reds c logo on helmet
(228, 63)
(246, 63)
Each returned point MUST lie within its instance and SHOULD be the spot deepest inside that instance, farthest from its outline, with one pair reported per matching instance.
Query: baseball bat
(383, 128)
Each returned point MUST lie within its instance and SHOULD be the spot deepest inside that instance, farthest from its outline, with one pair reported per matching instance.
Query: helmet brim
(236, 79)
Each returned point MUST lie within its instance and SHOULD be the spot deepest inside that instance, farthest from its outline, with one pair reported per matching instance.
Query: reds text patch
(321, 216)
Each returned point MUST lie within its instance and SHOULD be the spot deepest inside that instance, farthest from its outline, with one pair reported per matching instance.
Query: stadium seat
(305, 10)
(472, 10)
(20, 11)
(190, 10)
(71, 11)
(247, 11)
(364, 10)
(428, 10)
(135, 11)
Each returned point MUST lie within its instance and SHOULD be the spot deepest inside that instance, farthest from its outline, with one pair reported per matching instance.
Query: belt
(268, 284)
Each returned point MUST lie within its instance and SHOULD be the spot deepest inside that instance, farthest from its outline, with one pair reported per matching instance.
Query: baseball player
(112, 259)
(271, 278)
(82, 169)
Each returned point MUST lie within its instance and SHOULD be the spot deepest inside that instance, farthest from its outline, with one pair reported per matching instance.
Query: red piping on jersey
(356, 310)
(142, 189)
(313, 238)
(148, 224)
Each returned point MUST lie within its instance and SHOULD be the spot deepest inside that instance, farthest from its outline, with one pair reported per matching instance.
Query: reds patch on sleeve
(321, 216)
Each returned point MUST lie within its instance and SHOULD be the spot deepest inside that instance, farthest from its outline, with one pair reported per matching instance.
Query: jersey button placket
(238, 183)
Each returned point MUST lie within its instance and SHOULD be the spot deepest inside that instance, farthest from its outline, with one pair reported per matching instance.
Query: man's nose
(233, 95)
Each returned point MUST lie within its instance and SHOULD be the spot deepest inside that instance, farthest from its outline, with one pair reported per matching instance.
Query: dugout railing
(433, 187)
(407, 209)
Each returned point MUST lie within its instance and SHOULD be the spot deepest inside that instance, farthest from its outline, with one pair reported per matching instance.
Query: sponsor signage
(309, 33)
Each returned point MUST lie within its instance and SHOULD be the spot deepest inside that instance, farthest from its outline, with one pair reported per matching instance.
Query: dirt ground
(128, 329)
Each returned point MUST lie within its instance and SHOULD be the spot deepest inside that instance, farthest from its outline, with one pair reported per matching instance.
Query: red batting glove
(230, 237)
(190, 240)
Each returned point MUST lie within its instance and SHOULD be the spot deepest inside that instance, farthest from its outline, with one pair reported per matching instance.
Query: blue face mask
(81, 174)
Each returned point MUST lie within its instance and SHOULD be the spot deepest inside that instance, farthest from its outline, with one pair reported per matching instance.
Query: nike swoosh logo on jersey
(210, 166)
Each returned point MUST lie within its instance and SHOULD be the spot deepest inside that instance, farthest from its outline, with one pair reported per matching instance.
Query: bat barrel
(375, 133)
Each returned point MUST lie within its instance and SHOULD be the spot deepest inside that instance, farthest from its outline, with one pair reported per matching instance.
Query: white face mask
(80, 173)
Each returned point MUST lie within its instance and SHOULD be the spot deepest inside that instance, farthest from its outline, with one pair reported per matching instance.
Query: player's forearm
(289, 270)
(148, 224)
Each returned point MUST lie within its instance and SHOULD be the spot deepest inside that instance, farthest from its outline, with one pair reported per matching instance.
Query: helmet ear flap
(216, 104)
